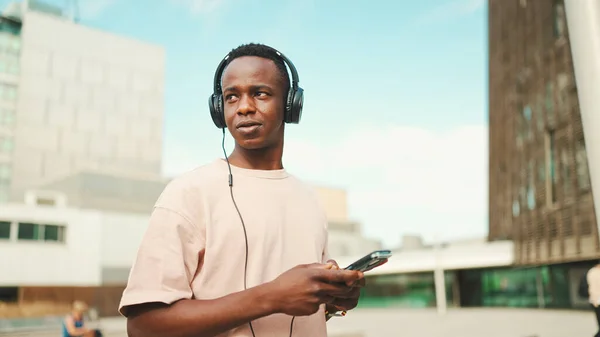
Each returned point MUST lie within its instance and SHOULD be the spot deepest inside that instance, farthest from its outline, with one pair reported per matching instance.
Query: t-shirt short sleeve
(169, 253)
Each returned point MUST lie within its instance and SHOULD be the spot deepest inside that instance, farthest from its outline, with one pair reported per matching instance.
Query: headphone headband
(221, 68)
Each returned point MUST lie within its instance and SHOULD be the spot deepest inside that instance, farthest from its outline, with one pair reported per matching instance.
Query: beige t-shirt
(194, 245)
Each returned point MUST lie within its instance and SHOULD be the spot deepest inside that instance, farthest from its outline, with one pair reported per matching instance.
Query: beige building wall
(345, 235)
(87, 99)
(334, 200)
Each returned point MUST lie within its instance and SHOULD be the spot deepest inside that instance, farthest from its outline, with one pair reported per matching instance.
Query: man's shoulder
(201, 174)
(190, 184)
(302, 187)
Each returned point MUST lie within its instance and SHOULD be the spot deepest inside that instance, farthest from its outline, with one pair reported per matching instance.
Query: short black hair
(264, 51)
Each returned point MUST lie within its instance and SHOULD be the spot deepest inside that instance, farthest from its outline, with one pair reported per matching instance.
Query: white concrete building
(82, 231)
(87, 235)
(65, 246)
(73, 97)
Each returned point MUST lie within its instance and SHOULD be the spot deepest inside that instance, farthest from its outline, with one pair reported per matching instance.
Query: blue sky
(395, 97)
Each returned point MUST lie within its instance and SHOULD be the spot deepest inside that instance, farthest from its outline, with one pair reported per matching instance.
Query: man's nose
(246, 105)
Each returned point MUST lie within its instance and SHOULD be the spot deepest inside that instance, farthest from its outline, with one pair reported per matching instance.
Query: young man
(240, 253)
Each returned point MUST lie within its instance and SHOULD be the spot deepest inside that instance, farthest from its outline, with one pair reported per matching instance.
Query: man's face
(253, 102)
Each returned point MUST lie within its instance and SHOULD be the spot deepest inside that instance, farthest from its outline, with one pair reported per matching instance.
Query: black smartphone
(370, 261)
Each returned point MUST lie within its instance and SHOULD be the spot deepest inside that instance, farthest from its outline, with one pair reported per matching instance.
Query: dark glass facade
(412, 290)
(540, 287)
(550, 286)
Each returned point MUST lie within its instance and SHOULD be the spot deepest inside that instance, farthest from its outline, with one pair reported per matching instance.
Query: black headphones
(294, 102)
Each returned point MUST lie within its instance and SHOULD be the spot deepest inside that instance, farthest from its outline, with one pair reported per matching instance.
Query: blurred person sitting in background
(73, 324)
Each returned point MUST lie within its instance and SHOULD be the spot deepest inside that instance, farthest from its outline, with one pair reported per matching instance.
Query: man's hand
(348, 299)
(301, 290)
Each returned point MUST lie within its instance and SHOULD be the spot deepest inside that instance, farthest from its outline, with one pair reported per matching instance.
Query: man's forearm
(202, 318)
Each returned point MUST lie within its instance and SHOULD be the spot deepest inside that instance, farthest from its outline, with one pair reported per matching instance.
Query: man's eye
(230, 98)
(261, 94)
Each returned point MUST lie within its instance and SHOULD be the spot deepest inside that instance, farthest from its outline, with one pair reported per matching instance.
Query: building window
(4, 230)
(28, 231)
(516, 208)
(527, 116)
(4, 186)
(559, 22)
(566, 172)
(399, 290)
(37, 232)
(9, 66)
(551, 177)
(541, 172)
(6, 144)
(14, 68)
(45, 201)
(531, 197)
(10, 41)
(54, 233)
(549, 104)
(7, 116)
(583, 173)
(8, 92)
(9, 294)
(539, 107)
(5, 171)
(11, 27)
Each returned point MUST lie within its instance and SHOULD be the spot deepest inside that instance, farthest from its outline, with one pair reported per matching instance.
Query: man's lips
(247, 124)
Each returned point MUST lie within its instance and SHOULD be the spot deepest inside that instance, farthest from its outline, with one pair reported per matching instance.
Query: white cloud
(399, 179)
(404, 179)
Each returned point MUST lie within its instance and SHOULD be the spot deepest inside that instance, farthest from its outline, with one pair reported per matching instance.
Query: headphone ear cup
(296, 104)
(215, 105)
(287, 114)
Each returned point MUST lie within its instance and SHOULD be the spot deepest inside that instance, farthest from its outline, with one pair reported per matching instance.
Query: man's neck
(263, 159)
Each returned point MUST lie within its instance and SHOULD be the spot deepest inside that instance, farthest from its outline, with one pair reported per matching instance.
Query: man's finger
(350, 293)
(335, 289)
(344, 304)
(342, 276)
(360, 283)
(324, 265)
(334, 263)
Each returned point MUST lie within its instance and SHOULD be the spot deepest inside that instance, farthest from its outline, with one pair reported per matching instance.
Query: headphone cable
(230, 182)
